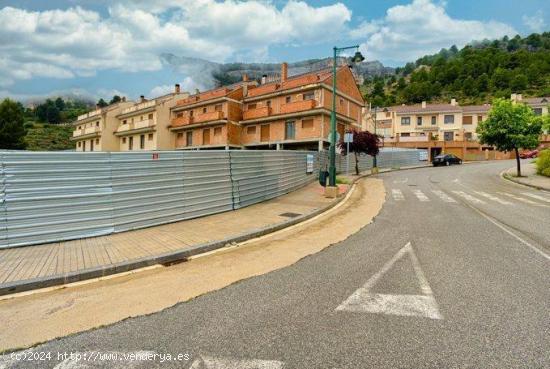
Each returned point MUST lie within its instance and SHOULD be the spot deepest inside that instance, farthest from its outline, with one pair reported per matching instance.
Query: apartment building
(95, 131)
(210, 120)
(538, 104)
(145, 124)
(294, 112)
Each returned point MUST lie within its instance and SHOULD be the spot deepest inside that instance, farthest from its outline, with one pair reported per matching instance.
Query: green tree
(510, 127)
(102, 103)
(12, 131)
(115, 99)
(60, 104)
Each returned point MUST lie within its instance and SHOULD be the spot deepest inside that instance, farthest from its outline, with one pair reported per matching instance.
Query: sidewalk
(531, 178)
(32, 267)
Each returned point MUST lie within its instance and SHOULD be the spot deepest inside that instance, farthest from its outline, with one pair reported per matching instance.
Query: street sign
(348, 137)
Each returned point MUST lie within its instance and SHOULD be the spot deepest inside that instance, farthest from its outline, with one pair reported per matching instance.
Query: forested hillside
(475, 74)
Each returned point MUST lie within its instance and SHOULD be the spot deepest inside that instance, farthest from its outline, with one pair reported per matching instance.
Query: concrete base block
(331, 192)
(374, 170)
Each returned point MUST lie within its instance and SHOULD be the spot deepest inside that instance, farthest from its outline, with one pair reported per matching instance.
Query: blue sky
(99, 48)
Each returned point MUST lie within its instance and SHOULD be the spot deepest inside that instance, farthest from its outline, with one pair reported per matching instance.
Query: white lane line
(469, 197)
(404, 305)
(522, 199)
(420, 195)
(493, 198)
(225, 363)
(443, 196)
(538, 197)
(401, 180)
(526, 243)
(397, 195)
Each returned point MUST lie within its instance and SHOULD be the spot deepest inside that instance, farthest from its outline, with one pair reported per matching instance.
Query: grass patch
(342, 180)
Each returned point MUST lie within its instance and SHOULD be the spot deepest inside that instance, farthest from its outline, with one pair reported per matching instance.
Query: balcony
(182, 121)
(86, 131)
(136, 125)
(208, 117)
(414, 139)
(89, 115)
(140, 106)
(257, 113)
(298, 106)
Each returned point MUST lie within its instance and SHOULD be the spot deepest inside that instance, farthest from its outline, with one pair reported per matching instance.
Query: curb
(511, 179)
(176, 256)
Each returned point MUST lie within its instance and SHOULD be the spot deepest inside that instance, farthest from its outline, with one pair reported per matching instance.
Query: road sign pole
(347, 159)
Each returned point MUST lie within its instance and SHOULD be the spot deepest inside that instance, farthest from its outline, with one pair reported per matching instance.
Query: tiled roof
(291, 82)
(430, 108)
(476, 108)
(536, 100)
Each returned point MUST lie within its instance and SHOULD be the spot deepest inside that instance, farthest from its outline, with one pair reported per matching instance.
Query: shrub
(543, 163)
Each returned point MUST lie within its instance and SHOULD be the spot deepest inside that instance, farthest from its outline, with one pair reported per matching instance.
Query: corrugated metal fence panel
(3, 224)
(148, 189)
(263, 175)
(207, 183)
(398, 157)
(56, 196)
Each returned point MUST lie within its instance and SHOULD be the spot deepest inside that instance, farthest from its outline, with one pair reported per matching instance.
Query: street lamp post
(357, 58)
(374, 164)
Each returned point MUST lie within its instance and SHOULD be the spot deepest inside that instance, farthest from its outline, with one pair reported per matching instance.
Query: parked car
(446, 159)
(529, 154)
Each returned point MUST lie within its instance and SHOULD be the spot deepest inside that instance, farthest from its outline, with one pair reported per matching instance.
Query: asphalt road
(453, 273)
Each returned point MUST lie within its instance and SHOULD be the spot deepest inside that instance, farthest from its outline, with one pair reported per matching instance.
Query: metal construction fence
(56, 196)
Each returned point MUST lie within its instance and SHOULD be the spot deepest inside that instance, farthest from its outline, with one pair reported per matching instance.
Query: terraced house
(145, 124)
(294, 112)
(95, 131)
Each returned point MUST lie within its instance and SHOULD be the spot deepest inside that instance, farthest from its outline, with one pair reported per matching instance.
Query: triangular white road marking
(224, 363)
(423, 305)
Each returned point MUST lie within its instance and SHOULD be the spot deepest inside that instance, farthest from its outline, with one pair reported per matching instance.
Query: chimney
(142, 98)
(453, 102)
(123, 98)
(177, 88)
(423, 105)
(245, 77)
(284, 72)
(264, 79)
(197, 91)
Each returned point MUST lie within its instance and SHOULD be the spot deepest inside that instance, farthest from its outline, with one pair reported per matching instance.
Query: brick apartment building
(448, 128)
(279, 113)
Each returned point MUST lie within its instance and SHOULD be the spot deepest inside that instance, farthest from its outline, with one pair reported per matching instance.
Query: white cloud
(535, 22)
(81, 42)
(419, 28)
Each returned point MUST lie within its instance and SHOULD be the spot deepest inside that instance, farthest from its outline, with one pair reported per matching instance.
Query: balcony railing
(413, 139)
(182, 121)
(139, 106)
(257, 113)
(298, 106)
(208, 117)
(136, 125)
(90, 114)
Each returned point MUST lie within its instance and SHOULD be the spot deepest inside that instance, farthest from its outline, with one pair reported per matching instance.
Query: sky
(93, 49)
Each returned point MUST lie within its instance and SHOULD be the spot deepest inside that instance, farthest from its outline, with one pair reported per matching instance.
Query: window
(268, 103)
(290, 130)
(141, 118)
(251, 130)
(179, 115)
(190, 113)
(388, 114)
(203, 110)
(79, 144)
(479, 118)
(83, 145)
(341, 102)
(448, 136)
(79, 127)
(309, 95)
(130, 143)
(538, 111)
(405, 121)
(123, 140)
(206, 137)
(97, 141)
(151, 116)
(467, 119)
(418, 121)
(189, 138)
(180, 136)
(288, 99)
(251, 106)
(97, 124)
(468, 136)
(124, 121)
(150, 137)
(405, 135)
(307, 124)
(91, 145)
(449, 119)
(132, 120)
(142, 142)
(218, 131)
(218, 107)
(434, 120)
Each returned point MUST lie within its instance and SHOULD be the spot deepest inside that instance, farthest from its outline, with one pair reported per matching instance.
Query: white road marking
(217, 363)
(493, 198)
(401, 180)
(469, 197)
(443, 196)
(538, 197)
(404, 305)
(526, 243)
(420, 195)
(397, 195)
(527, 201)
